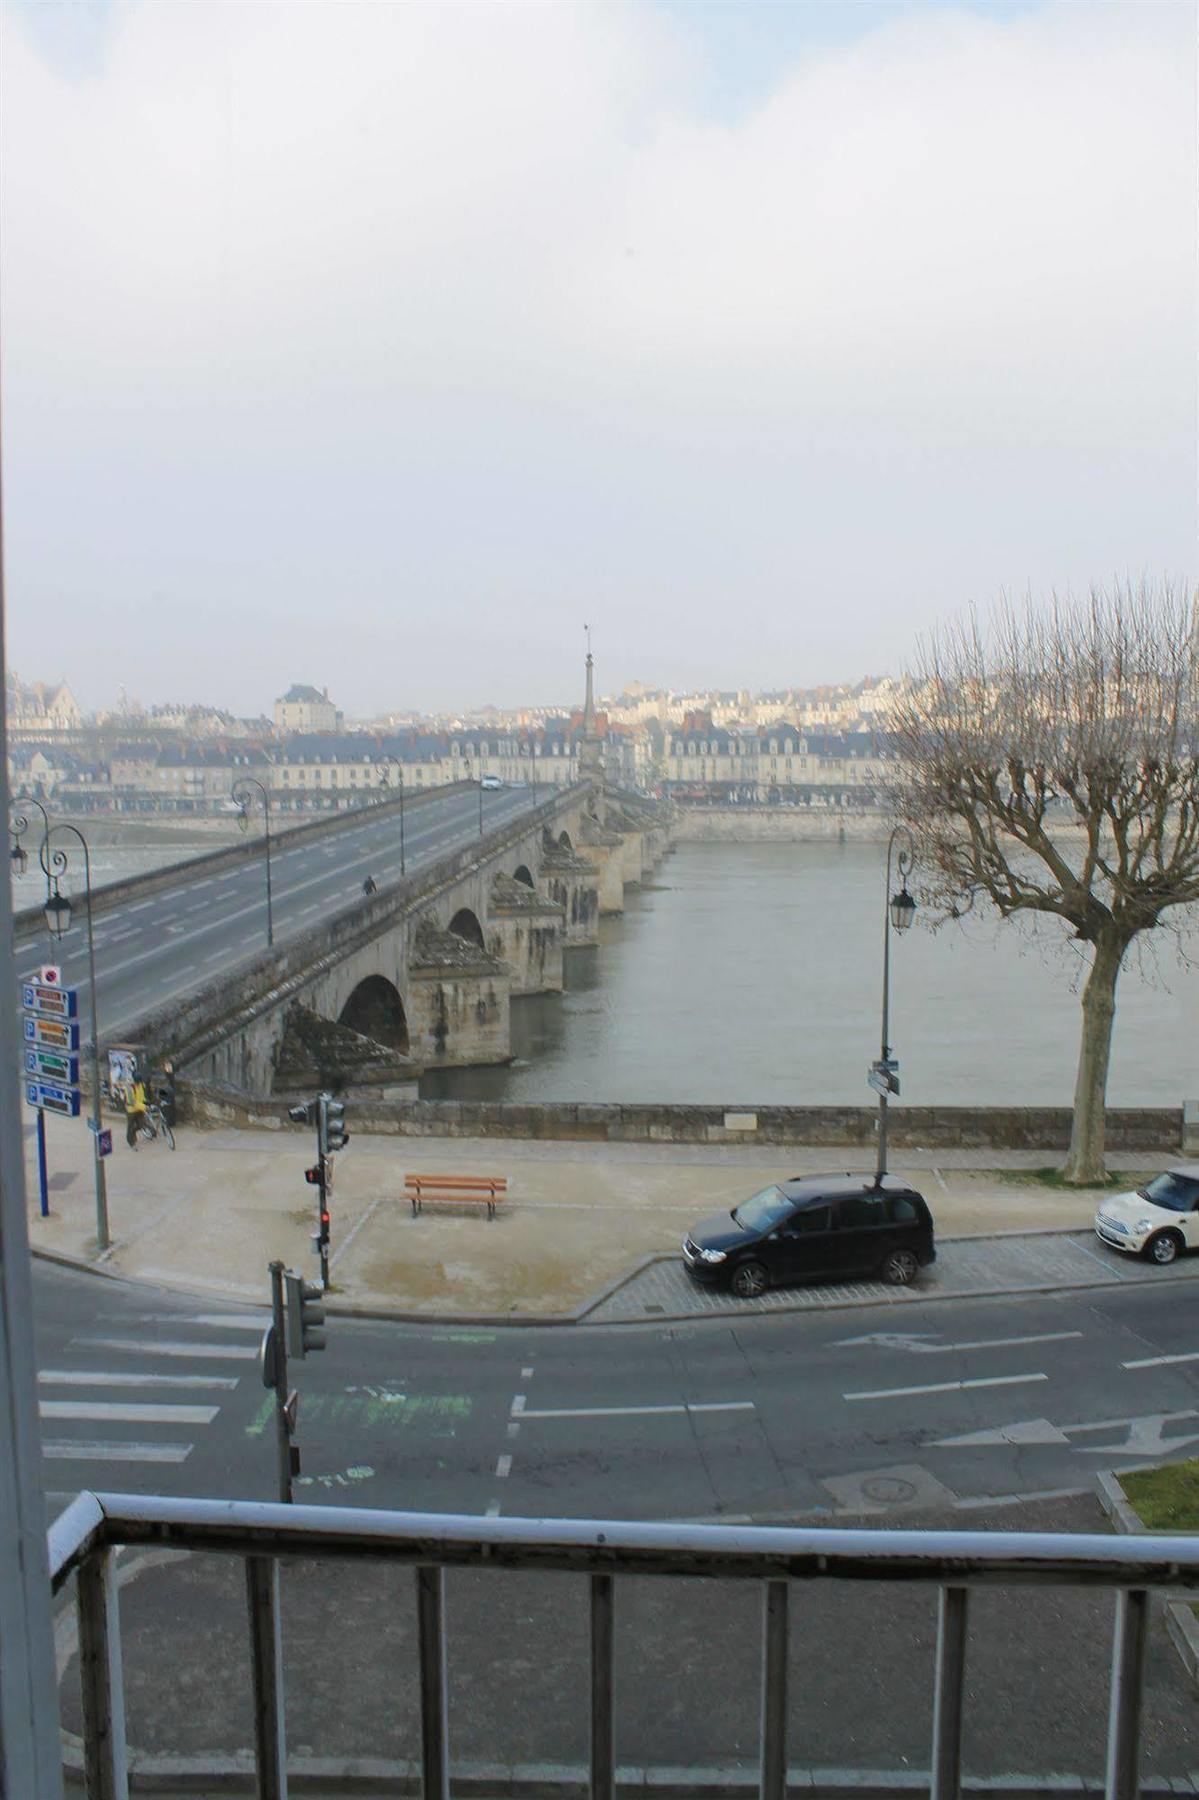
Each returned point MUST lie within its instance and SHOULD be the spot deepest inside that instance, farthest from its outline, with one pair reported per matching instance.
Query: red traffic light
(313, 1176)
(324, 1221)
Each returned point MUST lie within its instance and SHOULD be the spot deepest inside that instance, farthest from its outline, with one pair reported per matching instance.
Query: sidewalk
(580, 1216)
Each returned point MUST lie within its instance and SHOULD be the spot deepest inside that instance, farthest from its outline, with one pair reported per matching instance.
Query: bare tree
(1049, 761)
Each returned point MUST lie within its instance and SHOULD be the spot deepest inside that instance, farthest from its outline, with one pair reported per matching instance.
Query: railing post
(266, 1660)
(775, 1599)
(103, 1692)
(1124, 1707)
(947, 1698)
(603, 1723)
(434, 1732)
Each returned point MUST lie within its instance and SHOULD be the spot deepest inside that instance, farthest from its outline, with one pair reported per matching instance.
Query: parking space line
(1157, 1362)
(618, 1412)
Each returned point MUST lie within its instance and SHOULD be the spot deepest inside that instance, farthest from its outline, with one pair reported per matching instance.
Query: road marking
(91, 1450)
(982, 1500)
(167, 1347)
(101, 1378)
(345, 1243)
(493, 1511)
(518, 1404)
(132, 1411)
(503, 1467)
(1113, 1268)
(616, 1412)
(248, 1321)
(944, 1387)
(917, 1341)
(1143, 1435)
(1157, 1362)
(526, 1374)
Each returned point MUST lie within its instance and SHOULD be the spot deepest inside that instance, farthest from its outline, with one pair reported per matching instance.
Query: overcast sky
(379, 346)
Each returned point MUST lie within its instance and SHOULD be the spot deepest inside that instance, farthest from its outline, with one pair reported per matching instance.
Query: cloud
(452, 313)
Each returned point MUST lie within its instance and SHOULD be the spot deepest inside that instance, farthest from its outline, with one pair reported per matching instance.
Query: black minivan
(814, 1225)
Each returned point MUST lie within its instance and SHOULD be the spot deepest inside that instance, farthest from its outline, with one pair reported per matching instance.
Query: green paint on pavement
(257, 1426)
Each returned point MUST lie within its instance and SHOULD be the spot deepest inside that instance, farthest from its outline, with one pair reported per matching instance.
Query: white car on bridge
(1158, 1221)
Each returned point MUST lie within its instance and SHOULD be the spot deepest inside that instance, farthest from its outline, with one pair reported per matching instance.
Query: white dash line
(247, 1321)
(1156, 1362)
(90, 1450)
(945, 1387)
(130, 1411)
(526, 1374)
(100, 1378)
(616, 1412)
(1044, 1337)
(168, 1347)
(503, 1467)
(518, 1404)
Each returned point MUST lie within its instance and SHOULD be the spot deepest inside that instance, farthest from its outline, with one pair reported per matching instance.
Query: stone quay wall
(1153, 1129)
(780, 825)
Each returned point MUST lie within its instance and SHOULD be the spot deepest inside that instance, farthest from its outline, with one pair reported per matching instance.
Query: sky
(380, 346)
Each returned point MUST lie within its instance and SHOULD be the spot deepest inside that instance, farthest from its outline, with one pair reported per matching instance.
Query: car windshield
(765, 1209)
(1180, 1193)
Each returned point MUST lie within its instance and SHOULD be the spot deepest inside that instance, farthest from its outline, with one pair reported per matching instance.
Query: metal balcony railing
(84, 1538)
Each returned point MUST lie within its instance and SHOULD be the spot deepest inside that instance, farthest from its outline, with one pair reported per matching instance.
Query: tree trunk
(1084, 1166)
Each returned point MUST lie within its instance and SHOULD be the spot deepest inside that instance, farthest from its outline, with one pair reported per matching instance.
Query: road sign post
(51, 1069)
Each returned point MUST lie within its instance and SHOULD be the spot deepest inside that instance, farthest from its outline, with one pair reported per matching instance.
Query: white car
(1159, 1220)
(491, 782)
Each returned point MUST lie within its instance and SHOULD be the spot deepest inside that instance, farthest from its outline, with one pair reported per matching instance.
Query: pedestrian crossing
(108, 1398)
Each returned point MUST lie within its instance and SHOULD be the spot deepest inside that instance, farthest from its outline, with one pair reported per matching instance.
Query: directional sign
(64, 1100)
(56, 1034)
(51, 1065)
(50, 1002)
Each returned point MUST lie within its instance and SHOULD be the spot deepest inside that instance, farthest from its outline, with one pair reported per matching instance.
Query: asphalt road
(154, 950)
(991, 1414)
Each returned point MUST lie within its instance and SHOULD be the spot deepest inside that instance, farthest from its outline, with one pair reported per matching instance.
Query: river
(752, 973)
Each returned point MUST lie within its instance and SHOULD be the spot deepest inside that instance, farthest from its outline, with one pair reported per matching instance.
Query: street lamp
(898, 916)
(381, 773)
(18, 855)
(241, 793)
(58, 922)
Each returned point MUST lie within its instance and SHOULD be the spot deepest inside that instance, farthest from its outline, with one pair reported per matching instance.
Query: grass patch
(1052, 1178)
(1166, 1499)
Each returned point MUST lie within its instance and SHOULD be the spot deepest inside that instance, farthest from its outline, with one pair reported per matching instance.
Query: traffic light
(332, 1128)
(305, 1314)
(313, 1175)
(301, 1115)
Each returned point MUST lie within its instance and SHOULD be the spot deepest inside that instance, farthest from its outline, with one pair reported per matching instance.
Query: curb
(1181, 1623)
(372, 1776)
(579, 1315)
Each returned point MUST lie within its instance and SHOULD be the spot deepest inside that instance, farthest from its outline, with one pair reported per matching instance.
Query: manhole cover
(888, 1490)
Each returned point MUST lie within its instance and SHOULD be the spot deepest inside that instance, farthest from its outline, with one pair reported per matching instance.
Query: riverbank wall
(780, 825)
(1156, 1130)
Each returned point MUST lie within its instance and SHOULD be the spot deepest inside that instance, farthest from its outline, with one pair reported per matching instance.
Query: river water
(752, 973)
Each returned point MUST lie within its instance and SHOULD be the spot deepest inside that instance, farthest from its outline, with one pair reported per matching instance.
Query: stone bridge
(420, 975)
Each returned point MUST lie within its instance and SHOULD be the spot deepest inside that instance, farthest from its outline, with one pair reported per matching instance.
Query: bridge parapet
(230, 1030)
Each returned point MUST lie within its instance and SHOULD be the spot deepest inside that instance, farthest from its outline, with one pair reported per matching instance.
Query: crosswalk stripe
(106, 1378)
(252, 1321)
(167, 1347)
(92, 1450)
(131, 1410)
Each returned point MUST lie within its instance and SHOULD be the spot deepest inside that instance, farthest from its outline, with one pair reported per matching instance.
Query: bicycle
(154, 1124)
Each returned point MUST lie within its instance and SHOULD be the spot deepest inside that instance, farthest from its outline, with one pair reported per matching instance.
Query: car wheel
(899, 1267)
(749, 1280)
(1163, 1248)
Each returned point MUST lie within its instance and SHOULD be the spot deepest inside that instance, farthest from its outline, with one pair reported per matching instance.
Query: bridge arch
(522, 874)
(465, 924)
(376, 1010)
(564, 840)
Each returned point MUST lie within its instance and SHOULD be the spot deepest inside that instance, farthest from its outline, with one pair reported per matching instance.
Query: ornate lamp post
(18, 855)
(241, 793)
(385, 763)
(58, 922)
(899, 913)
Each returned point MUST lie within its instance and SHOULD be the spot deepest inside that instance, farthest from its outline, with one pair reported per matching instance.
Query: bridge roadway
(155, 950)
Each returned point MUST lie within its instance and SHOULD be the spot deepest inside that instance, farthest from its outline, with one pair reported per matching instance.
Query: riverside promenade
(589, 1231)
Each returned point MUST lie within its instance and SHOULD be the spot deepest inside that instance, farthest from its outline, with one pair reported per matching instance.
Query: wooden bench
(490, 1189)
